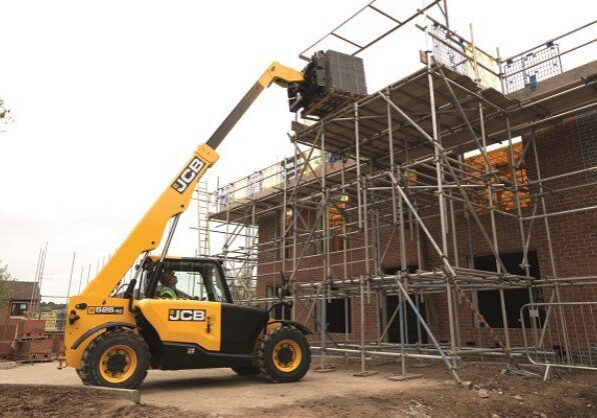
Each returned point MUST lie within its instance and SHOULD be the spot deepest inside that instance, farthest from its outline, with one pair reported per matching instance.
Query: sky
(110, 98)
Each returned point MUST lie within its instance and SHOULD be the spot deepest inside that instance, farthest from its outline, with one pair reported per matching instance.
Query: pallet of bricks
(7, 338)
(57, 338)
(32, 342)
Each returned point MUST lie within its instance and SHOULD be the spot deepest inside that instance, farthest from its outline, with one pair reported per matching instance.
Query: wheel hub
(285, 355)
(116, 363)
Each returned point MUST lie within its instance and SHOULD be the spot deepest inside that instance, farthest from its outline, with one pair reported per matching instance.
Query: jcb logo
(188, 175)
(197, 315)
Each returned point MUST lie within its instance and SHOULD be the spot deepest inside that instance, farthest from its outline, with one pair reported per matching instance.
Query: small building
(21, 297)
(23, 336)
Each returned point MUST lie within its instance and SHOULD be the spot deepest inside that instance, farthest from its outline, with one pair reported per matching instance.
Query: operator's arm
(146, 236)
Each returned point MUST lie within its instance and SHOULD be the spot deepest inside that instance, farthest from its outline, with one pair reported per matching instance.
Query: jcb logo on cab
(197, 315)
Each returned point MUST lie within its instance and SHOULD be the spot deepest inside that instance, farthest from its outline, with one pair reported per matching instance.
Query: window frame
(199, 266)
(24, 310)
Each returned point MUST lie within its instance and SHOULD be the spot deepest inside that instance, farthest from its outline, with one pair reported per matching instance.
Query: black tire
(90, 372)
(84, 378)
(246, 370)
(269, 347)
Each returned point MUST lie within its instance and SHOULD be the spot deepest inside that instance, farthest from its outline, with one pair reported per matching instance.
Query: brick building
(21, 297)
(23, 336)
(562, 148)
(470, 200)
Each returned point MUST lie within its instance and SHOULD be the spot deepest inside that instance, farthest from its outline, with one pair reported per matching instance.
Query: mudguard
(301, 327)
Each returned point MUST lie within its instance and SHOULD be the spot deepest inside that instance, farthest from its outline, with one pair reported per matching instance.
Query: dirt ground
(61, 401)
(220, 393)
(489, 394)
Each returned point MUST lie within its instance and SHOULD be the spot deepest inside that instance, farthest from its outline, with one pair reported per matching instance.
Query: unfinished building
(449, 215)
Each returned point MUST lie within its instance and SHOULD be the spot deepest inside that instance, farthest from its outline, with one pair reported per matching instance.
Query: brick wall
(568, 146)
(587, 132)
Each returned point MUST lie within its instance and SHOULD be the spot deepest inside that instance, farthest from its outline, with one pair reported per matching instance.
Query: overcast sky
(110, 98)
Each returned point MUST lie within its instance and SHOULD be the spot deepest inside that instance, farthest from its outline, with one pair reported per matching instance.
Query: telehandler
(113, 337)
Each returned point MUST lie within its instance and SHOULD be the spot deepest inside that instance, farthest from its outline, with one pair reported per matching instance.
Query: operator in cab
(168, 289)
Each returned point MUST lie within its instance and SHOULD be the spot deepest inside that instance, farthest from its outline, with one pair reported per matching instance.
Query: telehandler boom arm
(275, 73)
(147, 234)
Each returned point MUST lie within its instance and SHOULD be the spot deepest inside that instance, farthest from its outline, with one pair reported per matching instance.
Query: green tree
(5, 277)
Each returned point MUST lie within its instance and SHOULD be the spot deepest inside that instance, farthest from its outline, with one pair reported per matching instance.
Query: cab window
(191, 284)
(198, 279)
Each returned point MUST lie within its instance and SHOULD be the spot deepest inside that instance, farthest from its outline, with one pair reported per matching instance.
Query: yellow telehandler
(112, 338)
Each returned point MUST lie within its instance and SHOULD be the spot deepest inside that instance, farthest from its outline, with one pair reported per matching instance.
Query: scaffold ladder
(203, 202)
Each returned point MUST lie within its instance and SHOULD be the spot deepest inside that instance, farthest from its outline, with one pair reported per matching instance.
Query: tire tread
(262, 350)
(91, 377)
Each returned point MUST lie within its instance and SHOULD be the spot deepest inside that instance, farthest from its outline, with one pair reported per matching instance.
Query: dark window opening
(489, 300)
(337, 315)
(18, 309)
(393, 270)
(414, 330)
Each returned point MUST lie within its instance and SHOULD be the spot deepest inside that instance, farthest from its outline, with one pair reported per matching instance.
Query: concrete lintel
(325, 370)
(131, 394)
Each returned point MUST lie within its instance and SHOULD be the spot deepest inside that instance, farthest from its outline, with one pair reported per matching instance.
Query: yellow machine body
(94, 313)
(146, 236)
(205, 333)
(112, 337)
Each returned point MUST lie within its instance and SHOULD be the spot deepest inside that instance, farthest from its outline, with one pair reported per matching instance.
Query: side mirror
(281, 303)
(283, 292)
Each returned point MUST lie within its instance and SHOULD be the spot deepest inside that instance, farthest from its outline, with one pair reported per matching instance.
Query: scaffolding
(390, 178)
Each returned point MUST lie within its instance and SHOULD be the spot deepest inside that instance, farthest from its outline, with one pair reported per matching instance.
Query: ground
(221, 393)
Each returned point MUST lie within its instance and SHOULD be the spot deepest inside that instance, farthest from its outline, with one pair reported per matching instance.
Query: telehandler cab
(112, 337)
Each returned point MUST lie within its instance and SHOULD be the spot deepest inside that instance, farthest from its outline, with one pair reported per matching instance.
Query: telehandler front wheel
(284, 355)
(117, 358)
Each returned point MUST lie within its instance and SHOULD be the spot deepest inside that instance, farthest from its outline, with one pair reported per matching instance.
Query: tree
(5, 277)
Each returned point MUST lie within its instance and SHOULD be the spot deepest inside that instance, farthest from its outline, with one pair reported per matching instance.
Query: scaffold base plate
(324, 369)
(365, 374)
(407, 376)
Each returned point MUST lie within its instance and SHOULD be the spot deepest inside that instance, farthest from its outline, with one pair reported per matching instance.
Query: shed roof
(18, 290)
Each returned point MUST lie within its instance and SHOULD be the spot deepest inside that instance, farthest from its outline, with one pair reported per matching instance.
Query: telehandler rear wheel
(284, 355)
(117, 358)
